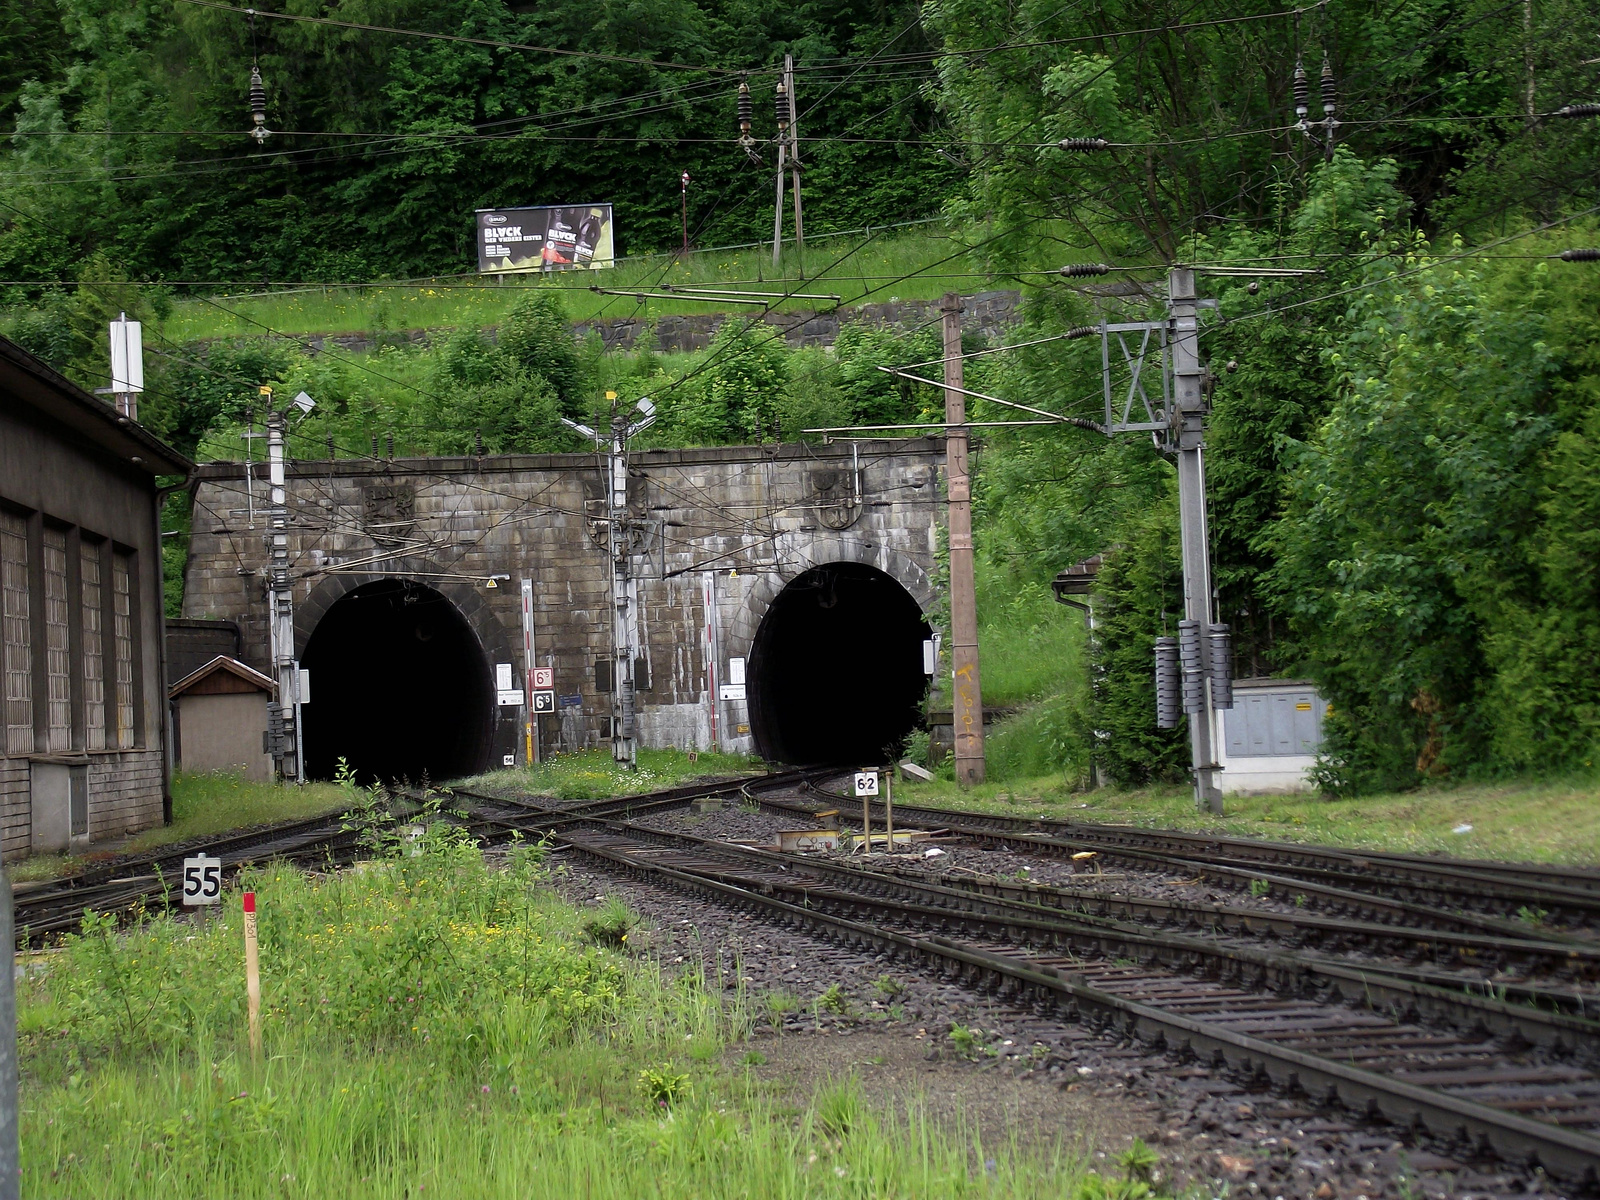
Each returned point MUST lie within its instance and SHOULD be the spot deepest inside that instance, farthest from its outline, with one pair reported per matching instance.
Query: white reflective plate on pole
(866, 783)
(202, 880)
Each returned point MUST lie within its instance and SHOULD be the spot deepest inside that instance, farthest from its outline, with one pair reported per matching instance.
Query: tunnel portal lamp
(583, 429)
(646, 408)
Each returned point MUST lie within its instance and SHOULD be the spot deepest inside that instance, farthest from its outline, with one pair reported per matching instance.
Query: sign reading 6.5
(202, 880)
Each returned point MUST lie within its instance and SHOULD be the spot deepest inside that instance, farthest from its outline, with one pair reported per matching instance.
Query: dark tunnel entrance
(400, 687)
(835, 672)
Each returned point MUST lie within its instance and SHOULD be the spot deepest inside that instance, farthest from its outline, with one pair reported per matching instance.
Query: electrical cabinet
(1273, 720)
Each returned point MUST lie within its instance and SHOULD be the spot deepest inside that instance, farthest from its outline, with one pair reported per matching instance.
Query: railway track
(1517, 901)
(1505, 1077)
(1387, 993)
(150, 879)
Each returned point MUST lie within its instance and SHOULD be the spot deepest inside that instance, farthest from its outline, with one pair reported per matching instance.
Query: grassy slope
(869, 274)
(1033, 648)
(593, 775)
(204, 804)
(435, 1028)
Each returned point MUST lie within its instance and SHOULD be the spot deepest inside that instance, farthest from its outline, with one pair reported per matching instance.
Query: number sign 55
(202, 880)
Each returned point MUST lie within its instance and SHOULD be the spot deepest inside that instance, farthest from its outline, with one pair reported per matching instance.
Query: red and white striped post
(252, 974)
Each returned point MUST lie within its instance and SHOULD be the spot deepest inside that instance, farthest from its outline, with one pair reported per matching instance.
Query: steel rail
(1571, 1154)
(1369, 906)
(59, 905)
(1472, 883)
(1550, 1024)
(1302, 928)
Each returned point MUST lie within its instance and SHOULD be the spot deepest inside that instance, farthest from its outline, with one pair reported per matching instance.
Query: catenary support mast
(284, 723)
(967, 693)
(1188, 424)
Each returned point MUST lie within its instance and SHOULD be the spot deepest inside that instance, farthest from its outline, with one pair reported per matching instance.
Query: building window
(94, 651)
(57, 652)
(18, 633)
(122, 647)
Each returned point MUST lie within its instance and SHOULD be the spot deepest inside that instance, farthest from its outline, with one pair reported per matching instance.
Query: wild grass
(595, 775)
(205, 803)
(1535, 820)
(867, 274)
(1030, 646)
(435, 1028)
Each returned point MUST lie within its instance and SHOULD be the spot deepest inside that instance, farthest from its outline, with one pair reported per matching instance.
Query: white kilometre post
(280, 603)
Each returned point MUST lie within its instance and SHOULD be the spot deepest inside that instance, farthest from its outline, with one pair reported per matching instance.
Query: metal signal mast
(620, 545)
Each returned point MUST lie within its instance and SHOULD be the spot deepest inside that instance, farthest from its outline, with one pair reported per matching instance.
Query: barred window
(58, 660)
(94, 654)
(122, 646)
(18, 633)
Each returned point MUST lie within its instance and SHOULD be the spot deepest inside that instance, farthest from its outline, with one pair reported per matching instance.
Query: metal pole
(281, 604)
(530, 743)
(967, 684)
(10, 1161)
(625, 601)
(794, 163)
(1189, 406)
(685, 181)
(777, 214)
(888, 809)
(713, 658)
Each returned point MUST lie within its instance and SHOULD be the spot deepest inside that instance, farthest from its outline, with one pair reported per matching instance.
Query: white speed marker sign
(202, 880)
(866, 783)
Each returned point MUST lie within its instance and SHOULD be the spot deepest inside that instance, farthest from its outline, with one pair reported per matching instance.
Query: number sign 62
(202, 880)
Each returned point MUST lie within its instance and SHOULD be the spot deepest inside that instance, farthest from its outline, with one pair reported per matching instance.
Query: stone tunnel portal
(835, 670)
(401, 687)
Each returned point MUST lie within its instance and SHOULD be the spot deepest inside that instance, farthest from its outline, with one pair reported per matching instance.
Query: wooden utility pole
(967, 693)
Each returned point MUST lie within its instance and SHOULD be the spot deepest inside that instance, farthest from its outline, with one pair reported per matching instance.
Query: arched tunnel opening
(400, 687)
(835, 672)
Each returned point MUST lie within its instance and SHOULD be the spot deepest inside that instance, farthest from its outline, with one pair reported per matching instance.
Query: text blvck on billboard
(547, 238)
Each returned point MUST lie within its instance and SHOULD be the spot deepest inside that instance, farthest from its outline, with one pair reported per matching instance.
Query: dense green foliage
(1397, 451)
(130, 120)
(1400, 446)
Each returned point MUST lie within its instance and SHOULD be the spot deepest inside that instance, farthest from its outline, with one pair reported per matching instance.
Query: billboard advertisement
(548, 238)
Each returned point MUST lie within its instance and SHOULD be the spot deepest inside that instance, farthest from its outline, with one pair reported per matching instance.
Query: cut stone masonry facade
(724, 530)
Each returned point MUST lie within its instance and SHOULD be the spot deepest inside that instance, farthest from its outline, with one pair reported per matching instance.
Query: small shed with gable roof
(219, 719)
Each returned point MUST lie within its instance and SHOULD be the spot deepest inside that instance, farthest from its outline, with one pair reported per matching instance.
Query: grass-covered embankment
(432, 1027)
(919, 264)
(1555, 820)
(595, 775)
(205, 803)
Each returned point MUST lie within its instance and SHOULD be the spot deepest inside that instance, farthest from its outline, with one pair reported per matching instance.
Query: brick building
(83, 749)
